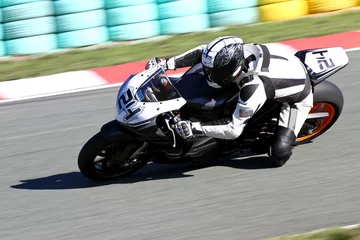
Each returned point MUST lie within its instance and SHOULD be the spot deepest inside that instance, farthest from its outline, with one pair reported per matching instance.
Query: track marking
(348, 227)
(351, 226)
(352, 49)
(68, 92)
(60, 93)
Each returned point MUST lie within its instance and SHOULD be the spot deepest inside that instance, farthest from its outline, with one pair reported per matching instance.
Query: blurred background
(37, 26)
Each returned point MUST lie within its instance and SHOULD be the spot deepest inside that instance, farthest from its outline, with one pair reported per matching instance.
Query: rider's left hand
(187, 129)
(156, 61)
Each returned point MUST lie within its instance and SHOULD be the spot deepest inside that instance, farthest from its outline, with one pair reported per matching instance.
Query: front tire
(102, 159)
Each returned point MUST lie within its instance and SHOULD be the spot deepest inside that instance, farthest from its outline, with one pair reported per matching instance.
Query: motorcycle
(149, 103)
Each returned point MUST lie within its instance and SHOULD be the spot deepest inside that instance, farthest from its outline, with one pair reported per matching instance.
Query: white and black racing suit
(272, 73)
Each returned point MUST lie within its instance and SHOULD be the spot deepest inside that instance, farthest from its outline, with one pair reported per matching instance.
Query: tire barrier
(24, 21)
(264, 2)
(227, 5)
(31, 45)
(234, 17)
(63, 7)
(132, 14)
(28, 11)
(283, 10)
(82, 38)
(80, 24)
(232, 12)
(2, 43)
(131, 20)
(185, 24)
(189, 16)
(2, 49)
(79, 21)
(1, 32)
(134, 31)
(166, 10)
(320, 6)
(27, 23)
(165, 1)
(8, 3)
(125, 3)
(29, 28)
(36, 26)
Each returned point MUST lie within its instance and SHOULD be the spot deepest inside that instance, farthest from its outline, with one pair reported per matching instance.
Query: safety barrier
(80, 23)
(37, 26)
(283, 10)
(28, 26)
(183, 16)
(130, 20)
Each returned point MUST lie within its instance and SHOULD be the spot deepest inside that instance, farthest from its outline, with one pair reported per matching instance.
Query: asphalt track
(43, 196)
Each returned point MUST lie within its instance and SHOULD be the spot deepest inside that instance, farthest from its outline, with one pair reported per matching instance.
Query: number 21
(323, 61)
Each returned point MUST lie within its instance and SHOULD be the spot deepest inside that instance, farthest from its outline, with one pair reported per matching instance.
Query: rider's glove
(156, 61)
(187, 129)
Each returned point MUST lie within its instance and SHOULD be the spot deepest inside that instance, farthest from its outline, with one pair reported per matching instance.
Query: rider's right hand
(156, 61)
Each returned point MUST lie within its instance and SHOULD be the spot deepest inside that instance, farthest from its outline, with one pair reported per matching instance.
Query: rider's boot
(261, 145)
(281, 149)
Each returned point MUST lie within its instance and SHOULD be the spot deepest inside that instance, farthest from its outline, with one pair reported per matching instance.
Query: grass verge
(123, 53)
(328, 234)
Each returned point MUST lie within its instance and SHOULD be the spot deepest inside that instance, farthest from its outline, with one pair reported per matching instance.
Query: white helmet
(223, 60)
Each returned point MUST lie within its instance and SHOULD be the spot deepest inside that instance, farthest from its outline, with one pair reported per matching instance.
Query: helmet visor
(221, 75)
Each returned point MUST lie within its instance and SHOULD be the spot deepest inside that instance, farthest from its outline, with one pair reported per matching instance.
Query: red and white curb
(105, 77)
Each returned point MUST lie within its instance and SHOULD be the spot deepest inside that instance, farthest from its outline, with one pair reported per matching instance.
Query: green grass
(123, 53)
(329, 234)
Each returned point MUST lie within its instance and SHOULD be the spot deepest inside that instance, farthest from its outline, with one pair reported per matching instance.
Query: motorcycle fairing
(131, 110)
(321, 63)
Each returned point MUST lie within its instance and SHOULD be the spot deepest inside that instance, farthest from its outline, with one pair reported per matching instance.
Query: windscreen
(156, 89)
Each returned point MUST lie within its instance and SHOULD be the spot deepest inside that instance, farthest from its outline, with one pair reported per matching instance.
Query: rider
(261, 73)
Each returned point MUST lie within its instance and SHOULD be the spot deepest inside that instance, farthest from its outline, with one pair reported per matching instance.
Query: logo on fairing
(127, 103)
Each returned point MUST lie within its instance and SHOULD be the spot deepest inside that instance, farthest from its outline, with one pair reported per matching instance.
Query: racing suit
(270, 72)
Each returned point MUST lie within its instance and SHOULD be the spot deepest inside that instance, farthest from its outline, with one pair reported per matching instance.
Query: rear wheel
(327, 107)
(101, 159)
(314, 127)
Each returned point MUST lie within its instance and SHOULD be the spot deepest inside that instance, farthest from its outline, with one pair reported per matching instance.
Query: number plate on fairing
(323, 62)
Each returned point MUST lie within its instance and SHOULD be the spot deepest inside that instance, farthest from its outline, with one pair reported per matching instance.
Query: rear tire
(328, 98)
(122, 152)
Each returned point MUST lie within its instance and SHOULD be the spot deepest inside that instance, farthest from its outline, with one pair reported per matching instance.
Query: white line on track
(348, 227)
(351, 226)
(96, 87)
(352, 49)
(60, 93)
(68, 92)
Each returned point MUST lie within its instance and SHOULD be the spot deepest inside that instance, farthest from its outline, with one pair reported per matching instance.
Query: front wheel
(101, 159)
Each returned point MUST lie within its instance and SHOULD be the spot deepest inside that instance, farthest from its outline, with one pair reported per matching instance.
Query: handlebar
(171, 119)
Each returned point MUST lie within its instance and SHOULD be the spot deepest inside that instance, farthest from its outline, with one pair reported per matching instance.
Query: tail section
(321, 63)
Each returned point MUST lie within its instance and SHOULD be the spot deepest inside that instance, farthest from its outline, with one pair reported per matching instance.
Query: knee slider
(283, 143)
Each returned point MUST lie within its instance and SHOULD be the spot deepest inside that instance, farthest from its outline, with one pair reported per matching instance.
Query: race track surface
(43, 196)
